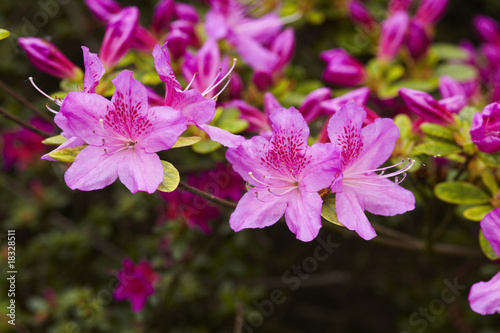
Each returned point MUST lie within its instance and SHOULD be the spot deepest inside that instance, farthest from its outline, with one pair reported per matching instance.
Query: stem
(24, 101)
(32, 128)
(207, 195)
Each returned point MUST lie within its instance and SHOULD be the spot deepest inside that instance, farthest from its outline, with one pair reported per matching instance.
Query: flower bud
(425, 106)
(162, 16)
(46, 57)
(103, 10)
(119, 36)
(360, 14)
(485, 129)
(186, 12)
(430, 11)
(393, 34)
(342, 69)
(418, 41)
(488, 29)
(449, 87)
(397, 5)
(358, 96)
(310, 107)
(181, 35)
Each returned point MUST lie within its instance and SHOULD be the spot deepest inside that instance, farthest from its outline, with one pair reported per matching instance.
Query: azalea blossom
(362, 152)
(135, 282)
(123, 136)
(485, 129)
(484, 297)
(284, 176)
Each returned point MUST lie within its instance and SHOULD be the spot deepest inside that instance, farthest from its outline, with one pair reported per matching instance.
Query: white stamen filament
(213, 86)
(48, 108)
(55, 100)
(271, 188)
(190, 83)
(223, 88)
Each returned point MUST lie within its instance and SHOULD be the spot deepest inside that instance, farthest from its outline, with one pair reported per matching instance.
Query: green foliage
(66, 154)
(486, 247)
(55, 140)
(186, 141)
(328, 211)
(477, 213)
(4, 34)
(171, 178)
(461, 193)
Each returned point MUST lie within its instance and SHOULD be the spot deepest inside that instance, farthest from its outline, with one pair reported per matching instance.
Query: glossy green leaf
(394, 73)
(233, 126)
(467, 113)
(460, 72)
(186, 141)
(206, 146)
(4, 34)
(461, 193)
(55, 140)
(436, 148)
(404, 124)
(490, 182)
(477, 213)
(492, 160)
(171, 178)
(486, 247)
(437, 131)
(328, 211)
(448, 51)
(66, 154)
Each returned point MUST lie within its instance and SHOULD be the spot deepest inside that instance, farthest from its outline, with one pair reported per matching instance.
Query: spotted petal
(350, 212)
(303, 214)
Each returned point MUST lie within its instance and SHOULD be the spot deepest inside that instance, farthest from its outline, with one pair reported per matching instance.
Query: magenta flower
(135, 282)
(393, 35)
(123, 136)
(485, 129)
(342, 69)
(430, 11)
(284, 176)
(484, 297)
(358, 96)
(119, 36)
(363, 151)
(46, 57)
(103, 10)
(360, 14)
(418, 41)
(429, 109)
(163, 13)
(312, 105)
(397, 5)
(186, 12)
(182, 34)
(488, 29)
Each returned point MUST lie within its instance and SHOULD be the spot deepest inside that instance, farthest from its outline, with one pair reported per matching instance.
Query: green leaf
(183, 141)
(328, 211)
(448, 51)
(4, 34)
(436, 148)
(55, 140)
(437, 131)
(171, 178)
(428, 85)
(492, 160)
(477, 213)
(486, 247)
(404, 124)
(66, 154)
(467, 113)
(460, 72)
(461, 193)
(490, 182)
(233, 126)
(206, 146)
(395, 72)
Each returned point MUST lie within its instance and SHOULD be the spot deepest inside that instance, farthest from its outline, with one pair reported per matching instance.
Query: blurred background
(71, 244)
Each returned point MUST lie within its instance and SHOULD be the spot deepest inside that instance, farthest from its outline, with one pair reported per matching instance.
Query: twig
(26, 102)
(207, 195)
(32, 128)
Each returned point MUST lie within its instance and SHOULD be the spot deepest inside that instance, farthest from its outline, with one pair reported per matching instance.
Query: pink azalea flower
(396, 5)
(135, 282)
(46, 57)
(488, 29)
(393, 35)
(430, 11)
(284, 176)
(360, 14)
(484, 297)
(342, 69)
(198, 110)
(363, 150)
(123, 136)
(485, 129)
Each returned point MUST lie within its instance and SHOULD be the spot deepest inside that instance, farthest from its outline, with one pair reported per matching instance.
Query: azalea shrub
(251, 166)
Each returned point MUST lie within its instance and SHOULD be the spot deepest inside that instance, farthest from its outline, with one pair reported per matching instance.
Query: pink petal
(247, 157)
(289, 122)
(490, 226)
(140, 171)
(93, 169)
(350, 212)
(323, 168)
(484, 297)
(70, 143)
(94, 70)
(163, 67)
(303, 214)
(257, 210)
(196, 108)
(167, 125)
(130, 94)
(383, 197)
(223, 137)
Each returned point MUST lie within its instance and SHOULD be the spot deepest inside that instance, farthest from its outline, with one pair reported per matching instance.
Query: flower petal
(92, 169)
(129, 94)
(484, 297)
(70, 143)
(383, 197)
(350, 212)
(303, 214)
(490, 226)
(247, 156)
(167, 125)
(323, 168)
(257, 210)
(197, 109)
(94, 70)
(223, 137)
(140, 171)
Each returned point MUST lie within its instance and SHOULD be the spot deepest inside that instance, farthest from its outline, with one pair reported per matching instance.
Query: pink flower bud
(103, 10)
(181, 35)
(488, 29)
(425, 106)
(119, 36)
(342, 69)
(186, 12)
(163, 13)
(393, 35)
(311, 107)
(449, 87)
(143, 39)
(360, 14)
(418, 41)
(397, 5)
(430, 11)
(46, 57)
(485, 129)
